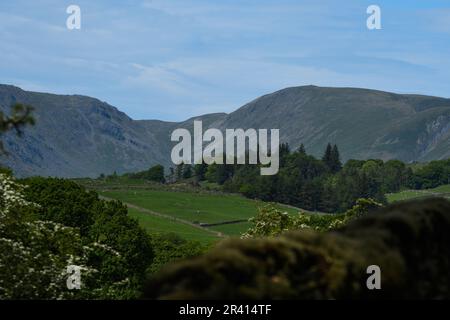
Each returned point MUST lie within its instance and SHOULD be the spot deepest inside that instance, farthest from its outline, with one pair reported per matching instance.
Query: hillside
(364, 123)
(77, 136)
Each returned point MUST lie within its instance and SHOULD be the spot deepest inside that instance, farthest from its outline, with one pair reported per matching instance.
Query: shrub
(408, 241)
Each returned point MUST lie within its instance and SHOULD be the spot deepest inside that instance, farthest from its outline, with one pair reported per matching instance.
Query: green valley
(191, 213)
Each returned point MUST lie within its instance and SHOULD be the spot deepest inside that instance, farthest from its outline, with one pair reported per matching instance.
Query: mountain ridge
(78, 136)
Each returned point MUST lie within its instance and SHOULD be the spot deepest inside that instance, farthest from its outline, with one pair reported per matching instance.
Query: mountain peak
(77, 136)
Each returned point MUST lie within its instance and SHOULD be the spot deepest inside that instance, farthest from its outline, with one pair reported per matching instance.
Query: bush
(170, 248)
(409, 241)
(271, 221)
(155, 173)
(49, 224)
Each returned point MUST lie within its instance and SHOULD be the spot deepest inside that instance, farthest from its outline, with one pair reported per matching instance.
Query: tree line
(304, 181)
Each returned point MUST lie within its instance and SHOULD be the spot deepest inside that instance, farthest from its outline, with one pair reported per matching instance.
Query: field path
(166, 216)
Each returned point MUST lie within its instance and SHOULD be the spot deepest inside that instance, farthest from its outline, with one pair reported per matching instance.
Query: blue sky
(173, 59)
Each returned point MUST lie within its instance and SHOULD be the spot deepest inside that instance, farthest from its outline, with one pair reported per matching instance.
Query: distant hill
(78, 136)
(363, 123)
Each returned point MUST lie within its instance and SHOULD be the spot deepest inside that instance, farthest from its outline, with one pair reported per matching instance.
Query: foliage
(323, 185)
(433, 174)
(331, 158)
(62, 201)
(319, 185)
(155, 173)
(408, 241)
(170, 247)
(52, 223)
(200, 171)
(34, 254)
(271, 221)
(187, 171)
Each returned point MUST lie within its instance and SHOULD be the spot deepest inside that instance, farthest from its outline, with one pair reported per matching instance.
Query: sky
(174, 59)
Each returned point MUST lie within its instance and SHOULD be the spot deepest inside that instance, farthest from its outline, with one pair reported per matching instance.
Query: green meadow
(442, 191)
(158, 225)
(193, 208)
(185, 213)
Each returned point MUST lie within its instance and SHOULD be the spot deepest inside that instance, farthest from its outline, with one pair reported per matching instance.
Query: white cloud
(159, 77)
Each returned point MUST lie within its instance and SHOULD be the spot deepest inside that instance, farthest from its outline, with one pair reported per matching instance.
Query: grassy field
(442, 191)
(159, 225)
(232, 229)
(181, 208)
(194, 207)
(191, 207)
(164, 209)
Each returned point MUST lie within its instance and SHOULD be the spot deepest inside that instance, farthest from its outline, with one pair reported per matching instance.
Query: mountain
(78, 136)
(363, 123)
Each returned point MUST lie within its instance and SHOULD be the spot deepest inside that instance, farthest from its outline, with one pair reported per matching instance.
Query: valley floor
(196, 214)
(202, 215)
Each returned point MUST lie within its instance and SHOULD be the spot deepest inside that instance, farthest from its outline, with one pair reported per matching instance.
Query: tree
(336, 164)
(211, 173)
(331, 158)
(187, 171)
(171, 247)
(98, 222)
(200, 171)
(179, 171)
(35, 254)
(156, 173)
(284, 151)
(327, 155)
(301, 149)
(433, 174)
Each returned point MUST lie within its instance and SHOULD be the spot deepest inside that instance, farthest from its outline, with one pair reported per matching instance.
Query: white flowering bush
(269, 222)
(34, 255)
(10, 195)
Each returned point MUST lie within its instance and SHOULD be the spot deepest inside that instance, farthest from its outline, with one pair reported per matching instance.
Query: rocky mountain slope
(78, 136)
